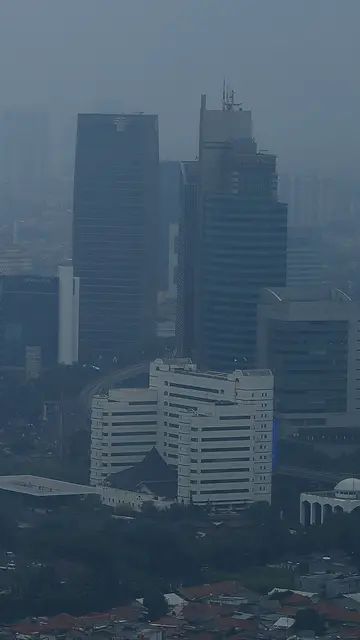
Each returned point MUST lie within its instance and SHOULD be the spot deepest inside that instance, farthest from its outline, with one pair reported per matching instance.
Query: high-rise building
(169, 210)
(309, 337)
(115, 234)
(38, 320)
(304, 258)
(24, 158)
(188, 246)
(15, 261)
(317, 202)
(234, 244)
(69, 295)
(173, 262)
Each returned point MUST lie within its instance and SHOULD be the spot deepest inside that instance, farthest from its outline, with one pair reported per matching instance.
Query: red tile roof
(168, 621)
(295, 599)
(337, 614)
(197, 611)
(226, 624)
(64, 621)
(225, 588)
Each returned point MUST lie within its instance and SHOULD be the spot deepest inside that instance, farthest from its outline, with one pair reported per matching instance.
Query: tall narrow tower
(115, 234)
(240, 238)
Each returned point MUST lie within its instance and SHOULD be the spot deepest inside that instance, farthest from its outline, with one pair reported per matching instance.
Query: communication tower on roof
(228, 99)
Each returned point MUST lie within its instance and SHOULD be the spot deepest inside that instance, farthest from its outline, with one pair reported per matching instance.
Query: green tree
(155, 603)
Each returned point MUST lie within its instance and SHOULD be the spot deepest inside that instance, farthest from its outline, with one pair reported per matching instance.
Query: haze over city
(293, 63)
(179, 320)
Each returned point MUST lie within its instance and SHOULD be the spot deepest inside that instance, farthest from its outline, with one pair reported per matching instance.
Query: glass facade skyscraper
(29, 309)
(115, 234)
(240, 233)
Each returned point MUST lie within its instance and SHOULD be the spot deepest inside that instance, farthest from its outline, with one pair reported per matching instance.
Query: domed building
(316, 506)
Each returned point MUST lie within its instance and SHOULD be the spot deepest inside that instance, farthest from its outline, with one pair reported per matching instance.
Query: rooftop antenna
(223, 96)
(228, 101)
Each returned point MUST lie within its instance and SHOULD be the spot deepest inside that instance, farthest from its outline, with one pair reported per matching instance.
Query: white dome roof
(349, 484)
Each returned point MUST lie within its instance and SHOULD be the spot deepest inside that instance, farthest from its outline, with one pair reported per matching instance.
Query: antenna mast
(228, 99)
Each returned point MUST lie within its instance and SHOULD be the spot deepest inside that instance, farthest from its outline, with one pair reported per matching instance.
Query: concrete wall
(69, 289)
(135, 500)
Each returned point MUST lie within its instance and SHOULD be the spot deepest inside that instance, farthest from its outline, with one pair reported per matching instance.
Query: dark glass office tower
(115, 234)
(309, 338)
(169, 213)
(29, 310)
(240, 237)
(188, 248)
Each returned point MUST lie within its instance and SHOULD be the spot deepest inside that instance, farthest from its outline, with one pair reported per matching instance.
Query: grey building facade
(169, 210)
(310, 338)
(115, 234)
(234, 234)
(188, 247)
(29, 310)
(304, 258)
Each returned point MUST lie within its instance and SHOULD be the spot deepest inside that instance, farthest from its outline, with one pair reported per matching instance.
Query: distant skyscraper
(304, 260)
(115, 233)
(188, 246)
(39, 319)
(234, 231)
(309, 337)
(169, 210)
(24, 158)
(318, 202)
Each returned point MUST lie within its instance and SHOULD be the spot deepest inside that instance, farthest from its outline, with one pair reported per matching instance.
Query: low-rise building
(316, 506)
(150, 481)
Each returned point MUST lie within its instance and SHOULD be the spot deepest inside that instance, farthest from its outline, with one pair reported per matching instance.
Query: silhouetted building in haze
(188, 246)
(25, 163)
(28, 318)
(39, 320)
(115, 234)
(308, 337)
(234, 233)
(304, 259)
(169, 210)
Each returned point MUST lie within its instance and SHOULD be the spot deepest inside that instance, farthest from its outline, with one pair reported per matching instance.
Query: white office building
(123, 429)
(216, 429)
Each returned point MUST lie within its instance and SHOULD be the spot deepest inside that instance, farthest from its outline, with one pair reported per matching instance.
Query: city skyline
(291, 63)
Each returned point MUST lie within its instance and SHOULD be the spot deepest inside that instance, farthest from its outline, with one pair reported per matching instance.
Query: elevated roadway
(112, 379)
(311, 474)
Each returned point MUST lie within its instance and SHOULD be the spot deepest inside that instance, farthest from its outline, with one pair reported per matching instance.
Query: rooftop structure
(152, 473)
(42, 487)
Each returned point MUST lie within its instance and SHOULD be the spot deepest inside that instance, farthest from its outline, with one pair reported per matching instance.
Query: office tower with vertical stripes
(233, 237)
(115, 234)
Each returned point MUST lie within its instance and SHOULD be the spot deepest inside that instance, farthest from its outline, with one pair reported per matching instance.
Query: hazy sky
(294, 62)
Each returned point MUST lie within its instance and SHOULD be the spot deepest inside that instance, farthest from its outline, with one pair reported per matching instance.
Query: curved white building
(314, 507)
